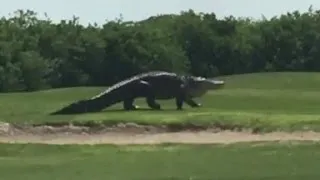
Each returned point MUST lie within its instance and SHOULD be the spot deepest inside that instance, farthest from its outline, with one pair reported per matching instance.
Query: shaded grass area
(263, 101)
(243, 161)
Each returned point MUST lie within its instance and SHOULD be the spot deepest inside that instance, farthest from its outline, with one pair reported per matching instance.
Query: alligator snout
(216, 84)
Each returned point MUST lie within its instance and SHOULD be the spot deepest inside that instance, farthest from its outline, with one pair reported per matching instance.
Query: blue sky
(99, 10)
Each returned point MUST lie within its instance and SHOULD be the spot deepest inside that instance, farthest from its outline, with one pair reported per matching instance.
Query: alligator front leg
(181, 97)
(179, 103)
(190, 102)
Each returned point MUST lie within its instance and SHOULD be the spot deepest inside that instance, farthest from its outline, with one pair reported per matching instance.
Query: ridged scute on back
(134, 78)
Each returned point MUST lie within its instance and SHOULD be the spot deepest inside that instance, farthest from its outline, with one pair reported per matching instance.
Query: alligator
(151, 86)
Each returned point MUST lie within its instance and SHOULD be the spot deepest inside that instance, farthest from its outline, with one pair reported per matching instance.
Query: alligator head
(198, 86)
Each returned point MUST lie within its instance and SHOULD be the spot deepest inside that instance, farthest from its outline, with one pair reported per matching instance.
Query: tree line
(37, 53)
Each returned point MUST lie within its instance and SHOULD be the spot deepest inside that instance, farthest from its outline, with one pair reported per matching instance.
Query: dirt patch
(131, 133)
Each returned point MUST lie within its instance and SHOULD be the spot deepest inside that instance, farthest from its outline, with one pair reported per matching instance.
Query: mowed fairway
(264, 101)
(288, 101)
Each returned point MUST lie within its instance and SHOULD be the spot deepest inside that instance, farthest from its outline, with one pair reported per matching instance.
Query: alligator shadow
(139, 110)
(110, 110)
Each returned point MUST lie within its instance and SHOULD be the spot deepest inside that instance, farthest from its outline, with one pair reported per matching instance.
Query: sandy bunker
(135, 134)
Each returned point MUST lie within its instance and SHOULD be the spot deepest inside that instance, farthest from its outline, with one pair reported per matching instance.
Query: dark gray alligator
(152, 85)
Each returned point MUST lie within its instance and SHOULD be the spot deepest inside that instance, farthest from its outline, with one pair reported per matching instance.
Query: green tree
(37, 53)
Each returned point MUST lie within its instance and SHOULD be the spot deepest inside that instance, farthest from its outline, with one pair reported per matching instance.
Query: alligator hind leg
(152, 103)
(128, 104)
(147, 91)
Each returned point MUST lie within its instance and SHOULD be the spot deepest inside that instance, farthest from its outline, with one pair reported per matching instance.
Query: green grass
(243, 161)
(288, 101)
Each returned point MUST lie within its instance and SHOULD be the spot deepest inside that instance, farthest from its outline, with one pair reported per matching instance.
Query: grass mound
(286, 101)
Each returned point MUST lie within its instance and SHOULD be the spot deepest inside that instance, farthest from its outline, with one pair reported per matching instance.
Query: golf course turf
(265, 101)
(261, 101)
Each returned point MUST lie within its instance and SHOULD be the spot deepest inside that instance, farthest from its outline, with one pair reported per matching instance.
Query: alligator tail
(94, 104)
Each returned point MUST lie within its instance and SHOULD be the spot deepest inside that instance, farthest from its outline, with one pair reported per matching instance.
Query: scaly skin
(152, 85)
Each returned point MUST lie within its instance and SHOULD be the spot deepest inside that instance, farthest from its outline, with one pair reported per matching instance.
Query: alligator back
(123, 86)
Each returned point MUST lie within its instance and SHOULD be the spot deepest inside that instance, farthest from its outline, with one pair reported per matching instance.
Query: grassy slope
(286, 100)
(229, 162)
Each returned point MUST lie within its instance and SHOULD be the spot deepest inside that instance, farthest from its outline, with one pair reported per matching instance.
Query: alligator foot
(196, 105)
(130, 108)
(156, 106)
(179, 108)
(192, 103)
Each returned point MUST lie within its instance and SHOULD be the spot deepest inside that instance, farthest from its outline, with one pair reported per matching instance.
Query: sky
(100, 10)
